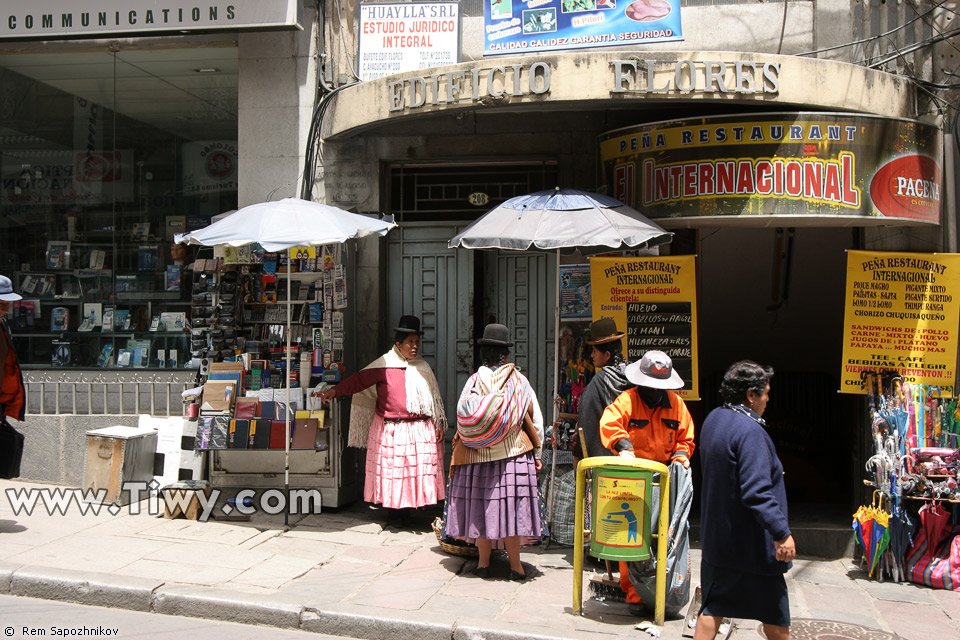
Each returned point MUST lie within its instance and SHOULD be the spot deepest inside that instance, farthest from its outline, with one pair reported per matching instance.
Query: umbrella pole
(286, 413)
(556, 389)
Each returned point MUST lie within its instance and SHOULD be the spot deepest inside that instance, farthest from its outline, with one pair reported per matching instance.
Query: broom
(606, 588)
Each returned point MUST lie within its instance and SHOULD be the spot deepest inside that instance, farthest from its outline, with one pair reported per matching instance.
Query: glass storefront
(104, 156)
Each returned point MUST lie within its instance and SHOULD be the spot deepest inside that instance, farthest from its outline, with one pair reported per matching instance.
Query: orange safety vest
(12, 392)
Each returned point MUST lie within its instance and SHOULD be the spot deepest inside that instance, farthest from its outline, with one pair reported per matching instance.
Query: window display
(94, 183)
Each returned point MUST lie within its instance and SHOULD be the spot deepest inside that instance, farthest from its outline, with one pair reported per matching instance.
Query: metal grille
(106, 393)
(442, 192)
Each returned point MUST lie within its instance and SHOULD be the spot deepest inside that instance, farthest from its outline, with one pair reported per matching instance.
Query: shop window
(104, 156)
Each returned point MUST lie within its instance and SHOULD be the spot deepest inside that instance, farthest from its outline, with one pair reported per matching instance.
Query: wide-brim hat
(6, 290)
(655, 371)
(496, 335)
(603, 331)
(409, 324)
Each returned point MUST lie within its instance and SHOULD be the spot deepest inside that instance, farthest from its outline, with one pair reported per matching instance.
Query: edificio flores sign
(628, 78)
(51, 19)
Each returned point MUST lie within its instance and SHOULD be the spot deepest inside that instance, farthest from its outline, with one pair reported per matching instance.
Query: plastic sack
(938, 567)
(643, 575)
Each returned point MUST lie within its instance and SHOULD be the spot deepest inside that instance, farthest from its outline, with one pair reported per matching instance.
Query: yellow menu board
(654, 300)
(900, 314)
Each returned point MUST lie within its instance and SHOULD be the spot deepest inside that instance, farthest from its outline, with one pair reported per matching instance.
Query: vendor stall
(900, 352)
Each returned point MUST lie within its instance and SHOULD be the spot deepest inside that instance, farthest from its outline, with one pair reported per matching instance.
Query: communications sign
(778, 164)
(516, 26)
(51, 19)
(900, 314)
(406, 36)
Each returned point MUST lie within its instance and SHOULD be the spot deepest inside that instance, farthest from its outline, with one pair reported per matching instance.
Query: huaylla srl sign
(793, 165)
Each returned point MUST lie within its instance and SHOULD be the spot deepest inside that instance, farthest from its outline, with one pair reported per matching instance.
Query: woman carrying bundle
(493, 492)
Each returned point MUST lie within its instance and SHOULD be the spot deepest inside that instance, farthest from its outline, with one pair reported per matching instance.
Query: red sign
(908, 187)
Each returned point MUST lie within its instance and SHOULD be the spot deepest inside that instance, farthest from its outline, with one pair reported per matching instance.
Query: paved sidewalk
(343, 573)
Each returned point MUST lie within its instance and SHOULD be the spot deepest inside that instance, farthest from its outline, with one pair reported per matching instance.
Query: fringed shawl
(420, 385)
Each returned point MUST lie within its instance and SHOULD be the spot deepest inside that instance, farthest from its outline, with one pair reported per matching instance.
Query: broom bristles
(604, 589)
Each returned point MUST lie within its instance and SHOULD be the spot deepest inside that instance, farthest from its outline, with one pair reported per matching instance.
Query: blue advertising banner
(548, 25)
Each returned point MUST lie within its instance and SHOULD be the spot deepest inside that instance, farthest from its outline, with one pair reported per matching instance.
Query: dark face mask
(651, 397)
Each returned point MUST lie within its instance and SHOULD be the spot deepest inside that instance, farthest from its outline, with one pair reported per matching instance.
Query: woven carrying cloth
(491, 403)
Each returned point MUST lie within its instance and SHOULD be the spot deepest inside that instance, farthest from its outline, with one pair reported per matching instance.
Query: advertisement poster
(406, 36)
(788, 165)
(66, 177)
(901, 313)
(209, 167)
(512, 26)
(574, 292)
(655, 301)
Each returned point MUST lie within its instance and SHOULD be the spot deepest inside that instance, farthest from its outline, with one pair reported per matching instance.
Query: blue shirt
(743, 498)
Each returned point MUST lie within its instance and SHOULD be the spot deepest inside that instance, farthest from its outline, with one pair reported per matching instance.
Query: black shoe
(482, 572)
(637, 609)
(517, 577)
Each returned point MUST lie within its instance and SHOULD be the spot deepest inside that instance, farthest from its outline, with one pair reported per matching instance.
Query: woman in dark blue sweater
(747, 546)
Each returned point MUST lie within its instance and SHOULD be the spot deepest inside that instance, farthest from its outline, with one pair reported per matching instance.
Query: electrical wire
(871, 38)
(343, 41)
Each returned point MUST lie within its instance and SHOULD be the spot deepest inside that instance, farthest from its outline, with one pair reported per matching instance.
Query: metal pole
(286, 413)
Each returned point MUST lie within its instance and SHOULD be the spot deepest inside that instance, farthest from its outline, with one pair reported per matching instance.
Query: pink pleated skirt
(404, 464)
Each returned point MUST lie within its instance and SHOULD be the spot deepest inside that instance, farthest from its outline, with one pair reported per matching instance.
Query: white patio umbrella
(280, 225)
(561, 219)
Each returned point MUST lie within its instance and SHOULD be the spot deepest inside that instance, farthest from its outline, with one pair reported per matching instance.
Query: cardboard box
(219, 396)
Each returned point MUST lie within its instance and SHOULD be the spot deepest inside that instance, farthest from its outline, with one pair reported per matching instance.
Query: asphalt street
(32, 618)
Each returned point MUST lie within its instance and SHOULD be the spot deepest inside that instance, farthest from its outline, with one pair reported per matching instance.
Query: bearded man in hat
(648, 421)
(608, 383)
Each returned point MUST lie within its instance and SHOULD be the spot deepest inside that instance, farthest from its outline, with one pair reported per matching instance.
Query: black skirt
(729, 593)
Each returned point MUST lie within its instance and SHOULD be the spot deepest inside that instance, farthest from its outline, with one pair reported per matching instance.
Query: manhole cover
(811, 629)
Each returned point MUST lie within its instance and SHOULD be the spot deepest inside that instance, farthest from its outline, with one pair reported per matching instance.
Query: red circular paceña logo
(219, 165)
(908, 187)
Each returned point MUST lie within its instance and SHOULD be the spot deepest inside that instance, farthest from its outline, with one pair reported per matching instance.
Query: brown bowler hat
(603, 331)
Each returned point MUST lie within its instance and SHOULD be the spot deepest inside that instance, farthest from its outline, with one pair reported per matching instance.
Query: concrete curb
(374, 627)
(220, 604)
(7, 570)
(142, 594)
(83, 587)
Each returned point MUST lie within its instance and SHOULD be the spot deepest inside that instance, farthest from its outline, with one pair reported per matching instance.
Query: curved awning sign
(828, 169)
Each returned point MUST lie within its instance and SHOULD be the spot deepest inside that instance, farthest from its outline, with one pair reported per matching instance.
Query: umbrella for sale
(555, 219)
(280, 225)
(879, 539)
(863, 527)
(902, 528)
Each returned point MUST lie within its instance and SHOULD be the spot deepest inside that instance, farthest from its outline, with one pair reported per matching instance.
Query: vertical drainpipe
(950, 192)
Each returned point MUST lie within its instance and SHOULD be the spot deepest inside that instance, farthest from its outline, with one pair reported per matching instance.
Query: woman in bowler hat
(397, 414)
(496, 455)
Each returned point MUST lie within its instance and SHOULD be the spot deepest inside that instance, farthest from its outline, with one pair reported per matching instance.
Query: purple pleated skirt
(494, 500)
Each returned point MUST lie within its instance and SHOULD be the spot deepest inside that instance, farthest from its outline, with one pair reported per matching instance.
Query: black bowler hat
(409, 324)
(603, 331)
(496, 335)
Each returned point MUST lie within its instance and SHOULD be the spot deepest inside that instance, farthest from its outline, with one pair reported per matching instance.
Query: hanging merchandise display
(914, 462)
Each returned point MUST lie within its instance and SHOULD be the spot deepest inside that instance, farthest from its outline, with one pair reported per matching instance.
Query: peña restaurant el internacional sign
(797, 167)
(52, 19)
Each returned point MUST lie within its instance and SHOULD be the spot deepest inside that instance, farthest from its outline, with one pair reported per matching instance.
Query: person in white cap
(12, 392)
(649, 421)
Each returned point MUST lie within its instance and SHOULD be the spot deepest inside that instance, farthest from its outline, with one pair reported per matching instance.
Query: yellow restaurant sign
(654, 300)
(901, 313)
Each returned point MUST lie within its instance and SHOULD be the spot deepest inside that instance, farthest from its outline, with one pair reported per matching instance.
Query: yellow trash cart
(621, 489)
